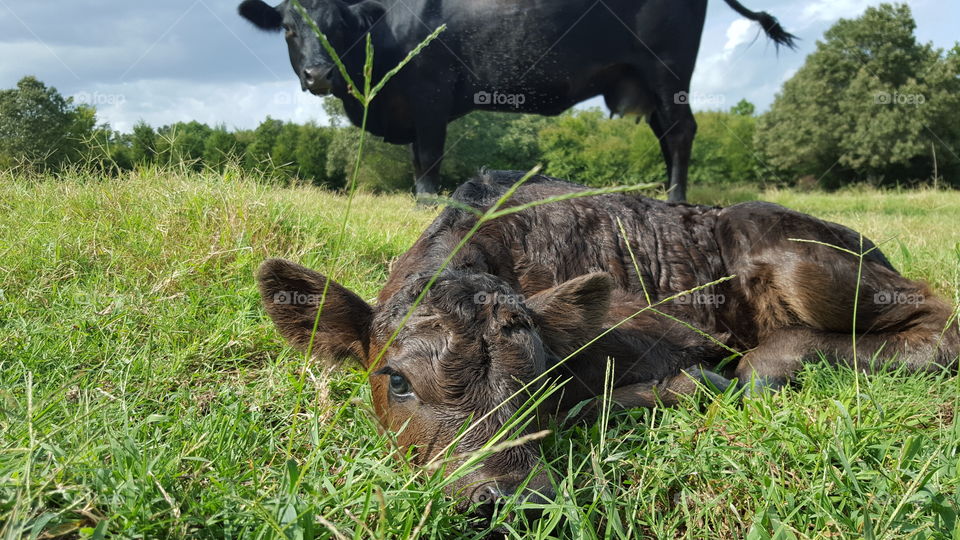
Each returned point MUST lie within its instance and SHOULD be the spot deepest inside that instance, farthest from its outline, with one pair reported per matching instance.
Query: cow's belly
(549, 87)
(542, 57)
(548, 98)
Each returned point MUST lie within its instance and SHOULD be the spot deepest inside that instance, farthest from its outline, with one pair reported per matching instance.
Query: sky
(180, 60)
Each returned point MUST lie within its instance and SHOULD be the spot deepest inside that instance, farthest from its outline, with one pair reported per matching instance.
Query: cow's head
(343, 24)
(467, 348)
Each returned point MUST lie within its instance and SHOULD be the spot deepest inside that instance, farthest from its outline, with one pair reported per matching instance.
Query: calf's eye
(399, 385)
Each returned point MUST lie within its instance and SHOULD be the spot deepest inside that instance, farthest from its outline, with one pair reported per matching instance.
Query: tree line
(870, 104)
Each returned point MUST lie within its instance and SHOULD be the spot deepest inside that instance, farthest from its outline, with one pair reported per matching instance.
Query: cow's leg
(679, 128)
(667, 74)
(427, 157)
(656, 125)
(415, 159)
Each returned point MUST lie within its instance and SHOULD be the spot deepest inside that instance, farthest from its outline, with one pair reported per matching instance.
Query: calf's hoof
(758, 385)
(708, 378)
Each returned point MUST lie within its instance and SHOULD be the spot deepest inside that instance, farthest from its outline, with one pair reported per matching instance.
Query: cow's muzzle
(318, 80)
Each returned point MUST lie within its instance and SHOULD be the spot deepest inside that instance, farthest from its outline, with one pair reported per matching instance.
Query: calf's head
(343, 24)
(462, 356)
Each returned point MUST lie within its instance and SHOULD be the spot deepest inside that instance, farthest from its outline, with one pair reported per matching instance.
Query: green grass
(144, 393)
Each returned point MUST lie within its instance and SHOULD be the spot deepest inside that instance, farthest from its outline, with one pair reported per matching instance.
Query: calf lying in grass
(529, 292)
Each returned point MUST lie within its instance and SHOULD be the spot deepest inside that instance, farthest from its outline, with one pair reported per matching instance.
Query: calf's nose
(487, 497)
(486, 494)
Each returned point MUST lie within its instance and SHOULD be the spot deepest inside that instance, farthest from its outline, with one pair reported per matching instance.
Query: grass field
(144, 393)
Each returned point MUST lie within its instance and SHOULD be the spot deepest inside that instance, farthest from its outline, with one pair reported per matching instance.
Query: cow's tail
(768, 22)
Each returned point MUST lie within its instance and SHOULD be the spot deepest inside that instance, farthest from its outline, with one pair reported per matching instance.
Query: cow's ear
(367, 13)
(291, 295)
(573, 312)
(261, 14)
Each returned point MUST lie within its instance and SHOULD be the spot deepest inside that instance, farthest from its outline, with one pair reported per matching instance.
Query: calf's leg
(899, 323)
(657, 393)
(798, 299)
(667, 392)
(932, 345)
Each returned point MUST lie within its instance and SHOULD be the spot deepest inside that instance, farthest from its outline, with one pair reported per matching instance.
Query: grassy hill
(144, 393)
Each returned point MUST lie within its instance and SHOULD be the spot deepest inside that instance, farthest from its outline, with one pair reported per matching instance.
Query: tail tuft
(776, 32)
(769, 24)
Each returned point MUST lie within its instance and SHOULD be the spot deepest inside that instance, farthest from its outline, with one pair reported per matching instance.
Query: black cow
(533, 56)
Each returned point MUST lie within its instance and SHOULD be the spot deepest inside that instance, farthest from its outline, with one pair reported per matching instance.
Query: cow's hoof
(676, 196)
(427, 201)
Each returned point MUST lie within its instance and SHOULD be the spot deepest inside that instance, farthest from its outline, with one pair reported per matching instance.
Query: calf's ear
(573, 312)
(292, 295)
(261, 14)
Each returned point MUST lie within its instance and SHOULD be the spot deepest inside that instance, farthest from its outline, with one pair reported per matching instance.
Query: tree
(743, 108)
(108, 151)
(183, 142)
(284, 150)
(583, 146)
(384, 167)
(494, 140)
(519, 146)
(220, 148)
(39, 127)
(143, 142)
(472, 143)
(313, 145)
(723, 151)
(869, 104)
(260, 151)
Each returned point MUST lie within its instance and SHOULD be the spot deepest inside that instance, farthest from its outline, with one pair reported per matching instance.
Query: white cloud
(737, 61)
(828, 11)
(787, 75)
(738, 33)
(737, 70)
(164, 101)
